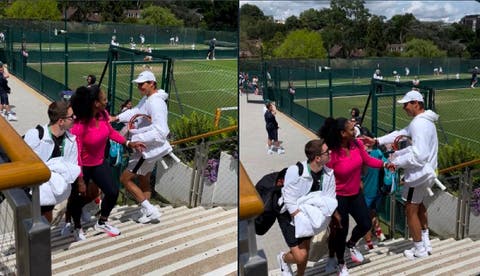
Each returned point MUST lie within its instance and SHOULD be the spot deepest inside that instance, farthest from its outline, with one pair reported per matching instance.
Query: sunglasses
(72, 117)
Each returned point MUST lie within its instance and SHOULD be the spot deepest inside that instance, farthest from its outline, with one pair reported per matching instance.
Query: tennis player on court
(152, 131)
(419, 161)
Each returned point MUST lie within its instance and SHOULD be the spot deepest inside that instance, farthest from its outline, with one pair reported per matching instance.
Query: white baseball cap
(411, 96)
(144, 77)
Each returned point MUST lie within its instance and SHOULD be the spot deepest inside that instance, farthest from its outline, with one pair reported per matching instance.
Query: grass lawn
(456, 107)
(199, 85)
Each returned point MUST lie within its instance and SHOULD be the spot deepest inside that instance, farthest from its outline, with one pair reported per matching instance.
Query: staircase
(450, 257)
(195, 241)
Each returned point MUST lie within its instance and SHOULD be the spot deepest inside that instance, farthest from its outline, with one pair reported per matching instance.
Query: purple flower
(475, 202)
(211, 170)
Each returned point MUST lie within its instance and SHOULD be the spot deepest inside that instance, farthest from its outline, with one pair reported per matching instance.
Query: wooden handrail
(25, 167)
(204, 135)
(459, 166)
(251, 205)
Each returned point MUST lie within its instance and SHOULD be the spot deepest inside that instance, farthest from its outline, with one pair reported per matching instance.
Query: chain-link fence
(323, 88)
(87, 41)
(7, 239)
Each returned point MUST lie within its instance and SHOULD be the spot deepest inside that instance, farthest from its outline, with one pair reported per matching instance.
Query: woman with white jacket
(316, 182)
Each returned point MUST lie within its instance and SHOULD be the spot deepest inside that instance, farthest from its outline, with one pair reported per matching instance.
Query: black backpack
(270, 190)
(40, 132)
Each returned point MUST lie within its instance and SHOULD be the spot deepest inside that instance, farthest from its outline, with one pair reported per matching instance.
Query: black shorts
(288, 230)
(4, 99)
(272, 134)
(47, 208)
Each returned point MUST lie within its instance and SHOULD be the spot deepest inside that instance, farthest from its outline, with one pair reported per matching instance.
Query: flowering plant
(211, 170)
(475, 202)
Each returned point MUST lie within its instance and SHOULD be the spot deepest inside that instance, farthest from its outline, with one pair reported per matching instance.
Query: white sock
(147, 205)
(419, 246)
(425, 237)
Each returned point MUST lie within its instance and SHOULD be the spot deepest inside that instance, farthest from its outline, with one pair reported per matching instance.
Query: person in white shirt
(57, 147)
(315, 178)
(153, 133)
(419, 161)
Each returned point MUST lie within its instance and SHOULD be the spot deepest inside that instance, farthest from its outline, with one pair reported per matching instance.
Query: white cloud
(447, 11)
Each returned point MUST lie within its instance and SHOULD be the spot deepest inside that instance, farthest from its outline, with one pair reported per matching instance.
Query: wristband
(127, 143)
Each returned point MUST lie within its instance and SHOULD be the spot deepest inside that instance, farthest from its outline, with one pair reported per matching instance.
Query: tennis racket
(141, 119)
(403, 141)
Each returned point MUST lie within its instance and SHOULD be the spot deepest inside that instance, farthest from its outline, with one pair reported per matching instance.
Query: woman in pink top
(92, 130)
(348, 156)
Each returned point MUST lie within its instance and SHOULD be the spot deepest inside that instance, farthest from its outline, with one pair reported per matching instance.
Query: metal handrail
(25, 167)
(459, 166)
(205, 135)
(251, 204)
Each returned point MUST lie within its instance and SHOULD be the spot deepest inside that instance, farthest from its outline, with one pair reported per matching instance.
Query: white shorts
(138, 165)
(414, 194)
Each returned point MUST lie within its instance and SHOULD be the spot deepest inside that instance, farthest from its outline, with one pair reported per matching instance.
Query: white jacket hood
(162, 94)
(429, 115)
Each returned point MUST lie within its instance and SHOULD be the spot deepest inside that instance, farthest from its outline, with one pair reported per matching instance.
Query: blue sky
(446, 11)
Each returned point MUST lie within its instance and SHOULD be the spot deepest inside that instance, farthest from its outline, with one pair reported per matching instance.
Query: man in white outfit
(53, 141)
(315, 177)
(154, 134)
(419, 161)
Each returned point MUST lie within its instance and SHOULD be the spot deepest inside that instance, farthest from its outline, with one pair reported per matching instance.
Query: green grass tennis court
(456, 107)
(198, 85)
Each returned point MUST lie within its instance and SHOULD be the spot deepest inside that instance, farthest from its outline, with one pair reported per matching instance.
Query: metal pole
(66, 46)
(330, 96)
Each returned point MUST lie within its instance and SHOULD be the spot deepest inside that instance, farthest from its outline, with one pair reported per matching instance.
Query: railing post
(32, 243)
(252, 262)
(392, 215)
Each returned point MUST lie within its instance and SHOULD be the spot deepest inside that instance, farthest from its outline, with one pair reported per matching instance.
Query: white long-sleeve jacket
(154, 134)
(296, 186)
(64, 169)
(420, 159)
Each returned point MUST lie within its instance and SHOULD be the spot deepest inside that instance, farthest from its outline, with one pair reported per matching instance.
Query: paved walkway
(30, 106)
(254, 157)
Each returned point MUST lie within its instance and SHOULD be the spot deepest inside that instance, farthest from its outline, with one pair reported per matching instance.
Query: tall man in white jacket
(57, 147)
(154, 134)
(315, 178)
(419, 161)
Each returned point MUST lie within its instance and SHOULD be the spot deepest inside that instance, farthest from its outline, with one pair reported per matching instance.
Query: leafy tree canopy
(422, 48)
(32, 9)
(301, 44)
(159, 16)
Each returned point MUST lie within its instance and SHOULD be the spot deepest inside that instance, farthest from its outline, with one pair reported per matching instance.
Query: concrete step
(186, 240)
(450, 257)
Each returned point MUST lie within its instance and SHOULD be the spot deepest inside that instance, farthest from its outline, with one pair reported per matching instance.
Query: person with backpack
(56, 146)
(315, 179)
(348, 155)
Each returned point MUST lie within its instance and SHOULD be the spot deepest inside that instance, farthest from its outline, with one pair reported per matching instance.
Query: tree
(31, 9)
(311, 20)
(375, 39)
(422, 48)
(301, 44)
(252, 11)
(222, 16)
(292, 23)
(271, 45)
(159, 16)
(399, 26)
